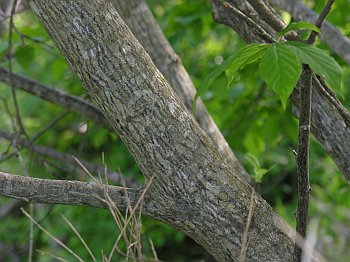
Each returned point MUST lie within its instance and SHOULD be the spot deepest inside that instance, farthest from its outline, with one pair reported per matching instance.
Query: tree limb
(64, 192)
(194, 189)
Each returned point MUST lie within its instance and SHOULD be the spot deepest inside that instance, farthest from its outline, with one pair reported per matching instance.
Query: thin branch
(304, 140)
(10, 73)
(20, 126)
(65, 192)
(33, 39)
(59, 97)
(49, 125)
(303, 155)
(68, 159)
(320, 20)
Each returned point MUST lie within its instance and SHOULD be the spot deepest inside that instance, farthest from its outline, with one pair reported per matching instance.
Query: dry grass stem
(245, 241)
(59, 242)
(80, 237)
(43, 253)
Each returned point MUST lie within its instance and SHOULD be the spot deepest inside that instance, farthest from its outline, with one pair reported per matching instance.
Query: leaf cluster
(280, 64)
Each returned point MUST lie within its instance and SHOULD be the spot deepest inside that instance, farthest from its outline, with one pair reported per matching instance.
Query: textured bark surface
(194, 189)
(64, 192)
(330, 122)
(141, 22)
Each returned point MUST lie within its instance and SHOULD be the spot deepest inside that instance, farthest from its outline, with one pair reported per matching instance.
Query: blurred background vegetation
(262, 135)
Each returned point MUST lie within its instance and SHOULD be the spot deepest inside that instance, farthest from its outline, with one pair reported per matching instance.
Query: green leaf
(247, 55)
(25, 56)
(298, 25)
(321, 63)
(280, 69)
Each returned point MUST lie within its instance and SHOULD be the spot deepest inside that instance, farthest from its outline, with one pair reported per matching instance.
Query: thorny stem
(304, 141)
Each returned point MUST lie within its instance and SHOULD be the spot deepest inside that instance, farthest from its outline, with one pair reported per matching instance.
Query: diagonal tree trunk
(141, 22)
(194, 189)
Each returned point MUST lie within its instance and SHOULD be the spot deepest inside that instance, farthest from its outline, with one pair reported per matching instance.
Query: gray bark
(330, 120)
(65, 192)
(194, 189)
(141, 22)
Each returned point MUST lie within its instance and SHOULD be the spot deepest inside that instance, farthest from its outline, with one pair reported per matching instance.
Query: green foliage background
(249, 115)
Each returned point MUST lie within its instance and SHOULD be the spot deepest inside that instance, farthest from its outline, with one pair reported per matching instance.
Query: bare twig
(303, 154)
(153, 250)
(49, 125)
(132, 210)
(320, 20)
(58, 97)
(33, 39)
(20, 125)
(304, 140)
(9, 55)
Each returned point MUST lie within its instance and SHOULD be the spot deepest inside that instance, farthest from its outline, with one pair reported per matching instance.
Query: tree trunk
(194, 189)
(141, 22)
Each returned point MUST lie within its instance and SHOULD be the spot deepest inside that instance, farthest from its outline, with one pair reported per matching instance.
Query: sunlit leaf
(320, 62)
(280, 69)
(247, 55)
